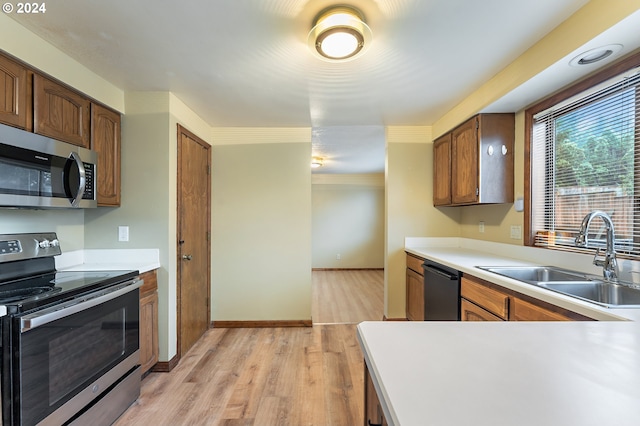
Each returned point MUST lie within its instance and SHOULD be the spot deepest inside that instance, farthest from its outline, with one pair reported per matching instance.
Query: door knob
(187, 256)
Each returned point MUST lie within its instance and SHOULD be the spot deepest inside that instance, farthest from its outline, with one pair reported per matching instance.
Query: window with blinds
(585, 156)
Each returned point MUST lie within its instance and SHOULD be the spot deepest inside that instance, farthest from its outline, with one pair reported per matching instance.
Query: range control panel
(28, 246)
(11, 246)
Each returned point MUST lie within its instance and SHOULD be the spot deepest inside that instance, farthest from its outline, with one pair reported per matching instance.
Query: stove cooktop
(28, 293)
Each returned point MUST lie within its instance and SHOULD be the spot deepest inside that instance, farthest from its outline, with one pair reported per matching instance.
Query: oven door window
(61, 358)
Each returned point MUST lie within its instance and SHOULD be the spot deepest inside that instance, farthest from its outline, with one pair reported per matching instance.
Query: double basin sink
(572, 283)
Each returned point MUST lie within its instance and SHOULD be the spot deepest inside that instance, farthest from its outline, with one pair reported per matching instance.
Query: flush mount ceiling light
(595, 55)
(316, 162)
(339, 33)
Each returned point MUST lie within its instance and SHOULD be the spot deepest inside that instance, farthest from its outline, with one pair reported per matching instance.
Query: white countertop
(143, 260)
(508, 373)
(465, 255)
(505, 373)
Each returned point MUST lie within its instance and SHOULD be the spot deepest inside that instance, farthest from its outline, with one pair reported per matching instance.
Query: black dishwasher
(441, 292)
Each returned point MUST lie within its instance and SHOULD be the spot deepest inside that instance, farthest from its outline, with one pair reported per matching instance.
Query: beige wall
(348, 219)
(149, 195)
(409, 206)
(588, 22)
(68, 224)
(261, 225)
(594, 18)
(25, 45)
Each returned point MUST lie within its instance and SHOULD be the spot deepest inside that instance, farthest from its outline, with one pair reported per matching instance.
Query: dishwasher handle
(440, 272)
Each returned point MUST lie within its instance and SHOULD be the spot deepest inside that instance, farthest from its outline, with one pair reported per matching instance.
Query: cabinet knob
(187, 257)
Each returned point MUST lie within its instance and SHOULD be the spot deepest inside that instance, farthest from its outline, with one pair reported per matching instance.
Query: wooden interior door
(194, 201)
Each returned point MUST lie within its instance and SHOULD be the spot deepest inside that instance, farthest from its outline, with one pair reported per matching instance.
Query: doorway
(194, 230)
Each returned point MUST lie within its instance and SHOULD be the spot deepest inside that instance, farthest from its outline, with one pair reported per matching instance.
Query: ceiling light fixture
(595, 55)
(339, 33)
(316, 162)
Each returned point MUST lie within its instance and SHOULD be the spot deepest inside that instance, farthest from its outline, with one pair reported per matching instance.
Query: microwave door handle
(83, 179)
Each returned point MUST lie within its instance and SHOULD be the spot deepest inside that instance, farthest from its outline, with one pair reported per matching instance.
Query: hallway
(273, 376)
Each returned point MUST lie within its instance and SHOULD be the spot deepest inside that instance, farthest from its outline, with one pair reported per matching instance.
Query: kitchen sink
(536, 274)
(601, 292)
(573, 283)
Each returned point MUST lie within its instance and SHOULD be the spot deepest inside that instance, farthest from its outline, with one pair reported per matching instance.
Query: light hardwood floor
(347, 296)
(272, 376)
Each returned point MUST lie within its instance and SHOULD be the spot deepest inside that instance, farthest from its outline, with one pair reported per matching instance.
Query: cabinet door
(60, 113)
(472, 312)
(373, 414)
(492, 300)
(415, 296)
(149, 331)
(149, 348)
(442, 170)
(14, 101)
(464, 163)
(525, 311)
(105, 140)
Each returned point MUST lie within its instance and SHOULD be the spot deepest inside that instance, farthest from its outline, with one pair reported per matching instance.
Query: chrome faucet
(609, 263)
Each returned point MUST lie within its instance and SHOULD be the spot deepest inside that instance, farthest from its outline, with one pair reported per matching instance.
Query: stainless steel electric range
(70, 340)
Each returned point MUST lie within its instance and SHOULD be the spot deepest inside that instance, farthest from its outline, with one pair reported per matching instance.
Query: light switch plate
(516, 232)
(123, 233)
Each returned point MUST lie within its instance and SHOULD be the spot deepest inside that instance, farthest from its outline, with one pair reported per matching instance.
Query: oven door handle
(45, 316)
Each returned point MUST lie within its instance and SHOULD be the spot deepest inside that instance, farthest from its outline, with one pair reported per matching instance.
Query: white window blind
(585, 156)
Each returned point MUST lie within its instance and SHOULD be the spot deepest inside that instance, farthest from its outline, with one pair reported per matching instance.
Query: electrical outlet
(516, 232)
(481, 227)
(338, 256)
(123, 233)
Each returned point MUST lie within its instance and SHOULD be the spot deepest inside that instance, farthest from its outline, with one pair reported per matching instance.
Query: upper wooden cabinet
(15, 99)
(105, 140)
(60, 113)
(480, 162)
(442, 170)
(33, 102)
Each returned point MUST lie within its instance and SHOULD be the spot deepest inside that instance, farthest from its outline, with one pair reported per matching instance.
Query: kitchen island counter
(510, 373)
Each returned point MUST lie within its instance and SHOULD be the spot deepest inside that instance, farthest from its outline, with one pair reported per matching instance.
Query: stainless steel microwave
(40, 172)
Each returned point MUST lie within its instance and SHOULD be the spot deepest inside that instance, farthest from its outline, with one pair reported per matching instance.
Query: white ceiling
(246, 62)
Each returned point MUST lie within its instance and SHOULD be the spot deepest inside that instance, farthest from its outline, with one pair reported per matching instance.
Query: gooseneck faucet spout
(609, 263)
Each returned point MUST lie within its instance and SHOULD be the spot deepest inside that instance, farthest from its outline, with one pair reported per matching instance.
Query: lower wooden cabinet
(521, 310)
(373, 414)
(472, 312)
(415, 296)
(414, 289)
(483, 301)
(492, 300)
(149, 348)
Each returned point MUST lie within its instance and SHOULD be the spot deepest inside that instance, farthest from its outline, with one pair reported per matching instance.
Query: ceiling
(246, 63)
